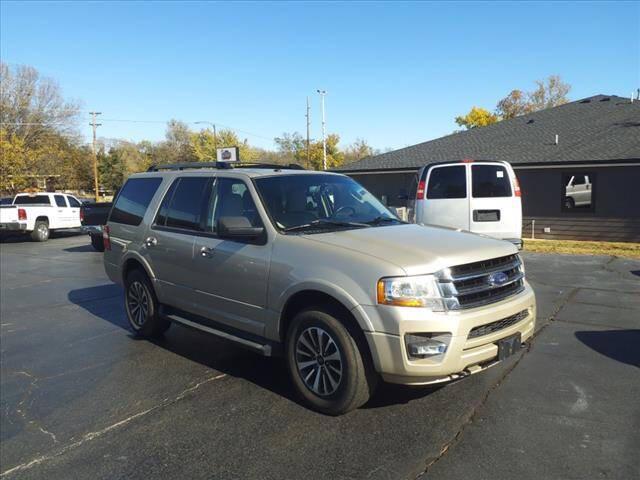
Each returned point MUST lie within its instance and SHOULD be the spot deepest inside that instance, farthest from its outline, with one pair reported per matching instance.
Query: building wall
(386, 186)
(614, 216)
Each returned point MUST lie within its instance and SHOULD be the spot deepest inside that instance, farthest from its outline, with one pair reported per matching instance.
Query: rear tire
(142, 305)
(97, 243)
(40, 231)
(328, 369)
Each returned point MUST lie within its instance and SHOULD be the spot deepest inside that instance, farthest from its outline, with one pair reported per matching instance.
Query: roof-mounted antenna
(557, 138)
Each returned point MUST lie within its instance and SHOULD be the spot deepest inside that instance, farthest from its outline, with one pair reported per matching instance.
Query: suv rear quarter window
(133, 200)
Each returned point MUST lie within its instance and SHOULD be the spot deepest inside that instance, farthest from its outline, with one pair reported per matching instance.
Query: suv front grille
(497, 325)
(481, 283)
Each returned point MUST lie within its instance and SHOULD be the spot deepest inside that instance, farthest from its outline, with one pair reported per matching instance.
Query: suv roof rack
(223, 166)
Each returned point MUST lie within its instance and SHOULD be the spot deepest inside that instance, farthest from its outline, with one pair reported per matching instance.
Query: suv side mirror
(238, 227)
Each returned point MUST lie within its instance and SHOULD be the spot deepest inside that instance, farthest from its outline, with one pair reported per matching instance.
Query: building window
(578, 192)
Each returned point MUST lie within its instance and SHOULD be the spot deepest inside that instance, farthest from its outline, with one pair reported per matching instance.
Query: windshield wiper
(382, 219)
(324, 223)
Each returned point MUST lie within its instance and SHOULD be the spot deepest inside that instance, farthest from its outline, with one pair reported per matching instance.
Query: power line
(124, 120)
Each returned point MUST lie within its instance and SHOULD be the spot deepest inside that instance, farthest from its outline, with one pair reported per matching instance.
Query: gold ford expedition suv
(312, 266)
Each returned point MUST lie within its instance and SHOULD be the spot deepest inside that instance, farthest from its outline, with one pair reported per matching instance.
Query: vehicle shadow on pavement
(619, 345)
(81, 248)
(270, 373)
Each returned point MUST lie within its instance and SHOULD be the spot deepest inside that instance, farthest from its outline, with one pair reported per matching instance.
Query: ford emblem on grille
(498, 278)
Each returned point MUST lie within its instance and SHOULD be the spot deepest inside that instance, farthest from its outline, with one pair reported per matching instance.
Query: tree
(32, 107)
(292, 148)
(513, 105)
(548, 93)
(357, 151)
(477, 117)
(335, 157)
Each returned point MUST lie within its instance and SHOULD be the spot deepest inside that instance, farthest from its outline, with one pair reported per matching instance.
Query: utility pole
(324, 139)
(95, 153)
(308, 125)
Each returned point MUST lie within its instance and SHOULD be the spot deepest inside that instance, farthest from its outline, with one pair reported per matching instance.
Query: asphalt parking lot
(80, 398)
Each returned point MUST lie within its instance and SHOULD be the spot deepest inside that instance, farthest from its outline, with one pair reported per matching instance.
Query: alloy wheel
(137, 304)
(319, 361)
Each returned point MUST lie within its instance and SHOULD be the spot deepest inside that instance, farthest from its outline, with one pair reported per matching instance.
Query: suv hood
(418, 249)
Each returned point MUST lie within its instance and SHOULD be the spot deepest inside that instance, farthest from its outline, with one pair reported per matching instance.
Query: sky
(396, 73)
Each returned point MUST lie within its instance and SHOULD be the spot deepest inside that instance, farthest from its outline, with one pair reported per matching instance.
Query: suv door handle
(207, 252)
(151, 242)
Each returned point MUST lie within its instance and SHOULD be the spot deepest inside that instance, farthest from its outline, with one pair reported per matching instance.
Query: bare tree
(32, 106)
(548, 93)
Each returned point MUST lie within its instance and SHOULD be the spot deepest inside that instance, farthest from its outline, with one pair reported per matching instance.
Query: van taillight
(22, 214)
(420, 191)
(82, 215)
(516, 185)
(106, 239)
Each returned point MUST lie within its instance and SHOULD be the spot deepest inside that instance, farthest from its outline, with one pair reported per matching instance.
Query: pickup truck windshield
(31, 200)
(321, 202)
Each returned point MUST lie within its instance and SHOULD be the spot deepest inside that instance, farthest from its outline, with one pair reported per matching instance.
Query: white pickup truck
(39, 213)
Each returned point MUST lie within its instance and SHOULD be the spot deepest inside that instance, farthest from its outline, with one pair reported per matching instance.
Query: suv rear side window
(490, 181)
(183, 203)
(60, 202)
(447, 182)
(73, 203)
(133, 200)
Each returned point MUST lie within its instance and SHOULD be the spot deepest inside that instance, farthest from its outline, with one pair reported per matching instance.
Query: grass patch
(575, 247)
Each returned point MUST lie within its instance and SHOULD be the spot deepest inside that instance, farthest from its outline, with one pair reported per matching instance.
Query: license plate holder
(509, 345)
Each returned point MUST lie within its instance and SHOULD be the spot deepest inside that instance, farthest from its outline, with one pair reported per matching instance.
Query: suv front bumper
(465, 355)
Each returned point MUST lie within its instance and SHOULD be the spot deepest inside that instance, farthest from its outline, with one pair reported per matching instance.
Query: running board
(264, 349)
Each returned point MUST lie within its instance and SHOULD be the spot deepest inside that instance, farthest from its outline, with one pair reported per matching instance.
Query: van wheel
(326, 365)
(40, 231)
(141, 305)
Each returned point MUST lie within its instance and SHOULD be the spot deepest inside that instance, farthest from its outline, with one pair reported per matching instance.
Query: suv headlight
(418, 291)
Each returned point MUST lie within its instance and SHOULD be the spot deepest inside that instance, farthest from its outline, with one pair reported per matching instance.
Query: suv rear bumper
(464, 355)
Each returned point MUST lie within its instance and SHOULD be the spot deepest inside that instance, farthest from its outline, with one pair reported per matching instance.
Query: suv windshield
(320, 202)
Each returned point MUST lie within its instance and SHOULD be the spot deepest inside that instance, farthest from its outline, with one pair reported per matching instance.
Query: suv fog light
(424, 346)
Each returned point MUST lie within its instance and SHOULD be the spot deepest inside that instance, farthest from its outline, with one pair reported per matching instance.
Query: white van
(478, 196)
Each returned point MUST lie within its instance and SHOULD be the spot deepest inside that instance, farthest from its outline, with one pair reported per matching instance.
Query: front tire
(40, 231)
(142, 305)
(328, 369)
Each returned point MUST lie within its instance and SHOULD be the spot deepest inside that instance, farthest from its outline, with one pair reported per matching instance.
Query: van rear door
(446, 197)
(495, 208)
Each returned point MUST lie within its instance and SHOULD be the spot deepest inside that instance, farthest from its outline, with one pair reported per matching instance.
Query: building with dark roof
(590, 144)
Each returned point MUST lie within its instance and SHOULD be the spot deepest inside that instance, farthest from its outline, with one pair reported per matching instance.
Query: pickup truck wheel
(141, 305)
(40, 231)
(97, 243)
(327, 368)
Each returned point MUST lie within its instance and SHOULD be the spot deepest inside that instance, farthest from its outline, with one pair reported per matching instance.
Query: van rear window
(490, 181)
(447, 182)
(133, 200)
